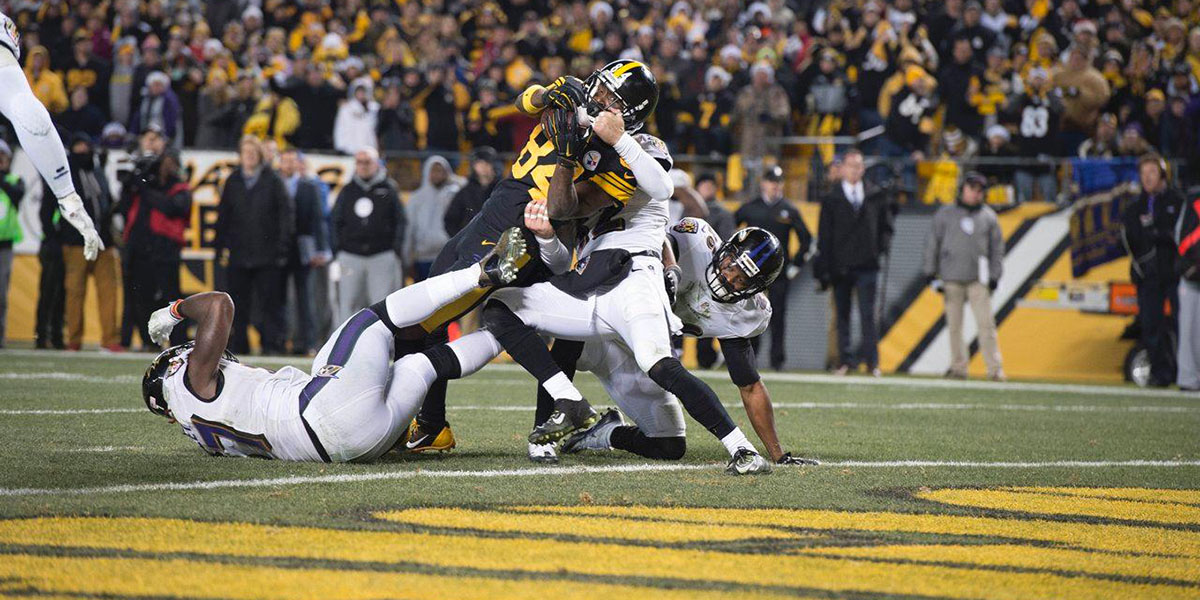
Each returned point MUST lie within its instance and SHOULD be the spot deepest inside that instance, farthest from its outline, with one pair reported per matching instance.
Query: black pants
(860, 283)
(151, 282)
(51, 303)
(1158, 330)
(258, 288)
(304, 329)
(777, 294)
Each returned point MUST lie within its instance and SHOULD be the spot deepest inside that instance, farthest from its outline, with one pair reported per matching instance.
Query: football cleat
(568, 416)
(595, 437)
(543, 453)
(419, 440)
(748, 462)
(501, 265)
(788, 459)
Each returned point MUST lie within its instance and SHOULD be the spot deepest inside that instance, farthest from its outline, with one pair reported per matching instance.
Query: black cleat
(568, 416)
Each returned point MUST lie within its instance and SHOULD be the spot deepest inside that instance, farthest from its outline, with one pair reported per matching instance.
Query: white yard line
(106, 449)
(62, 376)
(68, 411)
(559, 471)
(1125, 391)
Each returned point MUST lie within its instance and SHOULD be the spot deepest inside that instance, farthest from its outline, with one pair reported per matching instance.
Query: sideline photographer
(156, 202)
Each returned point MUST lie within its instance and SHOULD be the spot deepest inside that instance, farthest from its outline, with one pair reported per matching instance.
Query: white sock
(417, 302)
(736, 440)
(561, 388)
(475, 350)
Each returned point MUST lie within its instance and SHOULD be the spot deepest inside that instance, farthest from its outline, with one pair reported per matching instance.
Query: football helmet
(757, 253)
(632, 83)
(159, 369)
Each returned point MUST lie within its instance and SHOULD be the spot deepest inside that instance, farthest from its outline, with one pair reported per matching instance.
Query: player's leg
(33, 126)
(637, 311)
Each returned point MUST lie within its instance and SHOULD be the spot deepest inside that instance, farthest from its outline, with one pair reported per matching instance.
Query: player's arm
(740, 361)
(671, 271)
(560, 93)
(561, 199)
(651, 177)
(213, 314)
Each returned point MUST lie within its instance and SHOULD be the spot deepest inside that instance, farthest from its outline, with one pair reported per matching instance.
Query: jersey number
(531, 155)
(213, 432)
(1035, 121)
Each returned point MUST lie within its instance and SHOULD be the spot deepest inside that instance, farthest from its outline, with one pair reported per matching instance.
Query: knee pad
(500, 319)
(666, 372)
(672, 448)
(26, 111)
(445, 362)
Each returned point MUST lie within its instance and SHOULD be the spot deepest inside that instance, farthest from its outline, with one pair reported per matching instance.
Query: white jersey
(702, 315)
(256, 412)
(9, 37)
(638, 225)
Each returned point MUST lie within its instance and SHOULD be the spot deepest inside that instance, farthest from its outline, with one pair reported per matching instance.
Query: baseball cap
(484, 153)
(975, 178)
(773, 173)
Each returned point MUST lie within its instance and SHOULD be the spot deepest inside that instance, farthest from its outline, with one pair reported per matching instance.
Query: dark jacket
(465, 205)
(156, 216)
(849, 239)
(318, 105)
(310, 222)
(368, 217)
(780, 218)
(99, 206)
(1149, 233)
(256, 224)
(1187, 236)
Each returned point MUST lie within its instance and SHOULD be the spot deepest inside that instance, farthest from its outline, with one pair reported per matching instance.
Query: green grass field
(927, 489)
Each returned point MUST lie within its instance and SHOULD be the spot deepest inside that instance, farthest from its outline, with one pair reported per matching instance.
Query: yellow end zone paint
(529, 550)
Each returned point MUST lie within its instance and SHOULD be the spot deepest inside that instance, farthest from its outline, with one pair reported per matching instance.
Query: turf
(844, 423)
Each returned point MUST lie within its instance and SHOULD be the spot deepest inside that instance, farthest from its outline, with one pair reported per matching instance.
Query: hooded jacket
(354, 127)
(47, 85)
(426, 213)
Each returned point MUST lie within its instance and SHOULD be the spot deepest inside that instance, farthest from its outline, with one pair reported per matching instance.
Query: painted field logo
(1016, 543)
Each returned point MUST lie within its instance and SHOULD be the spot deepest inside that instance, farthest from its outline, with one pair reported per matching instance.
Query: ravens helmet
(632, 83)
(160, 368)
(757, 253)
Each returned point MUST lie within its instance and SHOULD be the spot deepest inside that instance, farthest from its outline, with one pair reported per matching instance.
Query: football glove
(671, 277)
(788, 459)
(561, 127)
(162, 322)
(566, 93)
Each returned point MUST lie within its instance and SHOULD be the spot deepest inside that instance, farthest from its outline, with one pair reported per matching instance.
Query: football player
(39, 139)
(587, 140)
(354, 404)
(720, 294)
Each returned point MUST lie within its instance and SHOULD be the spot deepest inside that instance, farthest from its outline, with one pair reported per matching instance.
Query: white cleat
(595, 437)
(543, 454)
(748, 462)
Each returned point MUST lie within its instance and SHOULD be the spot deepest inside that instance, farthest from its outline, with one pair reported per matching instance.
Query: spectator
(12, 191)
(256, 222)
(1132, 143)
(997, 154)
(1149, 234)
(777, 215)
(1187, 237)
(910, 123)
(275, 119)
(485, 171)
(46, 84)
(157, 204)
(51, 303)
(721, 220)
(426, 213)
(159, 106)
(313, 95)
(855, 230)
(440, 106)
(83, 116)
(1085, 92)
(829, 97)
(709, 114)
(396, 121)
(217, 113)
(1180, 132)
(92, 186)
(1103, 144)
(955, 81)
(120, 83)
(761, 112)
(357, 118)
(369, 224)
(1153, 118)
(964, 258)
(86, 71)
(1037, 114)
(309, 249)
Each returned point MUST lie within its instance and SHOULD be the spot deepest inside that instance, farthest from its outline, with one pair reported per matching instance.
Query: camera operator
(157, 203)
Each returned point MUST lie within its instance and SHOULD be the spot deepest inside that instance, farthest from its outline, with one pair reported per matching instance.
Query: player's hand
(566, 93)
(92, 245)
(788, 459)
(671, 276)
(162, 322)
(537, 219)
(609, 125)
(562, 127)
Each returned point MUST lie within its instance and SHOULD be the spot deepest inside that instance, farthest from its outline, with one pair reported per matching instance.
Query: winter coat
(368, 217)
(354, 127)
(427, 211)
(960, 236)
(255, 223)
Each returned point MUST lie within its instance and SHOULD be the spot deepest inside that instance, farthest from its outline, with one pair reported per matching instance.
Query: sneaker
(500, 266)
(595, 437)
(842, 370)
(543, 454)
(876, 372)
(568, 416)
(420, 440)
(748, 462)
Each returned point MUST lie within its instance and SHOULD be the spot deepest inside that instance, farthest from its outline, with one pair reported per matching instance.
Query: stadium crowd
(1006, 85)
